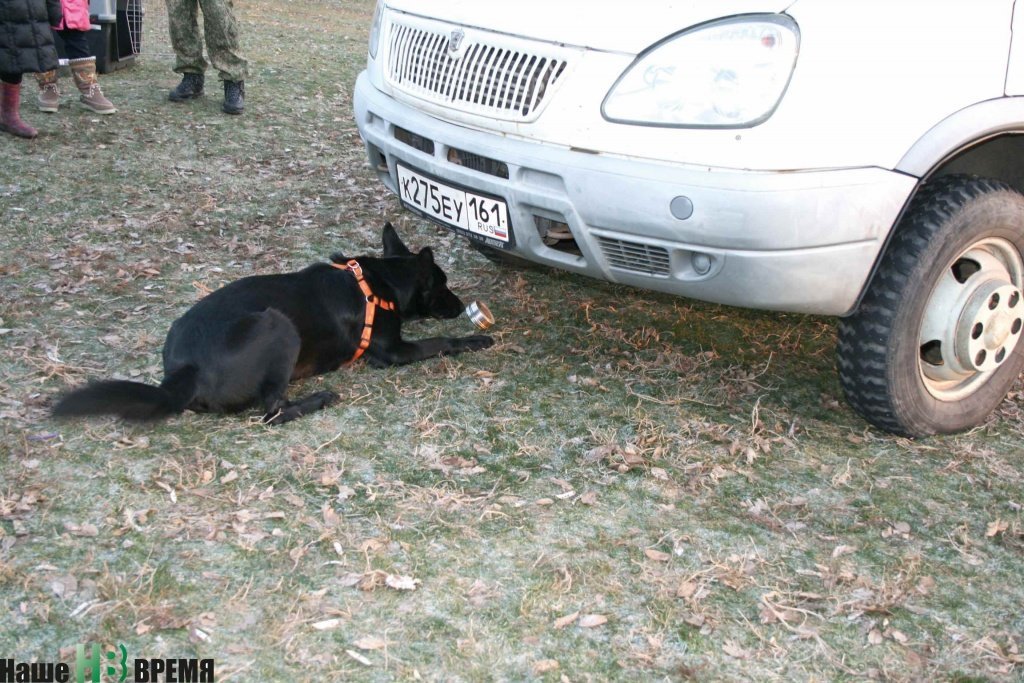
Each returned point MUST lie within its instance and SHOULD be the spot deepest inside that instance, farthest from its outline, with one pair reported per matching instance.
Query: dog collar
(372, 302)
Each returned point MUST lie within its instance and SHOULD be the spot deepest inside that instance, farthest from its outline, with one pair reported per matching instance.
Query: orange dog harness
(372, 302)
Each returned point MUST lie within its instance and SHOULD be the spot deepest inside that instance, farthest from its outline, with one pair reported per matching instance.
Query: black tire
(933, 347)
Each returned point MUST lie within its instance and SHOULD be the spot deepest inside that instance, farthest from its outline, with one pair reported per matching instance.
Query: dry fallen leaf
(372, 545)
(458, 462)
(371, 581)
(297, 553)
(843, 550)
(562, 622)
(622, 458)
(875, 637)
(657, 555)
(544, 666)
(350, 579)
(600, 453)
(896, 529)
(695, 620)
(997, 527)
(736, 651)
(593, 620)
(370, 643)
(562, 484)
(686, 589)
(64, 586)
(330, 516)
(81, 530)
(589, 498)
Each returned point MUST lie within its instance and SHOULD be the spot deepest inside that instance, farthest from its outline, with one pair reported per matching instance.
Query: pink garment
(76, 15)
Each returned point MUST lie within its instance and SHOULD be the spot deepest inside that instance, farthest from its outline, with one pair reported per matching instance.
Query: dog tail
(132, 400)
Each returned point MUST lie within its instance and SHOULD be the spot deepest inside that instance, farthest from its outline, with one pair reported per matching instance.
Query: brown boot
(84, 72)
(49, 96)
(10, 119)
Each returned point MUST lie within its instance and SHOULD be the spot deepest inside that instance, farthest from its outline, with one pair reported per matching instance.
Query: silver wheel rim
(973, 319)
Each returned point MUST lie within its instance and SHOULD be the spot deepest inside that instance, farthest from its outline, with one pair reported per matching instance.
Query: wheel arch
(985, 139)
(977, 140)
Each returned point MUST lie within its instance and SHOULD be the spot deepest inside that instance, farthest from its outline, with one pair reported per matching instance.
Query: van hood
(627, 27)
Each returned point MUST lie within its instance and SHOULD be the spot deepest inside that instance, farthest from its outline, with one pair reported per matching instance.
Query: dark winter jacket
(26, 41)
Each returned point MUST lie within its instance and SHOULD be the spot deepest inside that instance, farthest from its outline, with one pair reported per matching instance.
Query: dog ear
(425, 259)
(393, 244)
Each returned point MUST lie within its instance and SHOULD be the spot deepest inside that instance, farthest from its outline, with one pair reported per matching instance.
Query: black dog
(240, 346)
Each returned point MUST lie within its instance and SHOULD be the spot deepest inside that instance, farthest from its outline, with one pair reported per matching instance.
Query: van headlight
(378, 15)
(730, 73)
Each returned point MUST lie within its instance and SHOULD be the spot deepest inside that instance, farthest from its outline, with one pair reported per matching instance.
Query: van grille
(489, 79)
(478, 163)
(636, 257)
(415, 141)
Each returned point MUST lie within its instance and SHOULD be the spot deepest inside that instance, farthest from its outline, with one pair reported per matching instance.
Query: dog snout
(453, 306)
(446, 304)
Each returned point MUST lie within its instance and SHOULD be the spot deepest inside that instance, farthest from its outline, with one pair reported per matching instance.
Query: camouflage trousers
(220, 29)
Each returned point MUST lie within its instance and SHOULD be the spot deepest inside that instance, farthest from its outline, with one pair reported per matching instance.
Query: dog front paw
(324, 398)
(477, 342)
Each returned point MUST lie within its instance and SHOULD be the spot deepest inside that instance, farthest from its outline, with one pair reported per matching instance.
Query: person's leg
(76, 43)
(83, 71)
(49, 93)
(183, 28)
(221, 30)
(10, 106)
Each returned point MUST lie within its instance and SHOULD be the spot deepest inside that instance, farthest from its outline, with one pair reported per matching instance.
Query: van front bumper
(802, 241)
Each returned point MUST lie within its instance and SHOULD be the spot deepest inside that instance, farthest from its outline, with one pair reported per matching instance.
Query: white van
(859, 159)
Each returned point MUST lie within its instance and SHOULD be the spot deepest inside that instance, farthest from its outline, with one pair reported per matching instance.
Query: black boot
(191, 87)
(234, 97)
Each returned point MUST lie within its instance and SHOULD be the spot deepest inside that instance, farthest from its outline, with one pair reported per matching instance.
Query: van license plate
(480, 215)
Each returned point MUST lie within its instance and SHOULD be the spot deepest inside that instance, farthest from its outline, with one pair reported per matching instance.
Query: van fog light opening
(556, 235)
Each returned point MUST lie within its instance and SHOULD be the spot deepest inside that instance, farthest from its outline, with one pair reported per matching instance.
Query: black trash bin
(116, 35)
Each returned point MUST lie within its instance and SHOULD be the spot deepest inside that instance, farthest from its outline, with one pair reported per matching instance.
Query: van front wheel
(935, 346)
